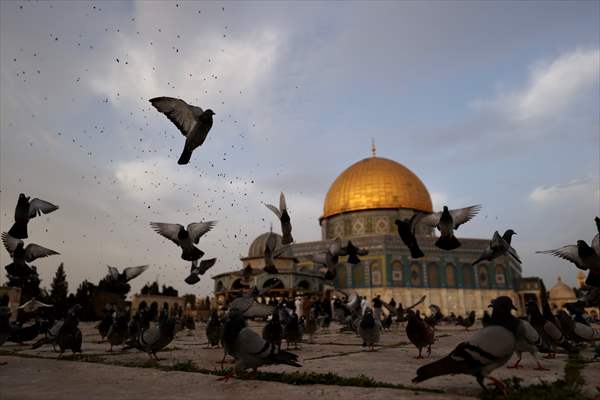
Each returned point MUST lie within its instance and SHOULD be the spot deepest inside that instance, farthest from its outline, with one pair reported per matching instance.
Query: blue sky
(487, 102)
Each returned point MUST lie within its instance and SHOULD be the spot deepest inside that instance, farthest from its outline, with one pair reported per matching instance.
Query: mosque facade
(362, 205)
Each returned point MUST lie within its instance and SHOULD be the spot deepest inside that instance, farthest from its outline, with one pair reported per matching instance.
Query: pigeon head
(209, 112)
(597, 220)
(503, 304)
(508, 235)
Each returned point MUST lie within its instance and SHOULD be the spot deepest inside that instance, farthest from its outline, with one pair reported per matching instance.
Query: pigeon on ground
(118, 331)
(576, 330)
(20, 334)
(273, 331)
(105, 323)
(69, 335)
(488, 349)
(406, 231)
(250, 349)
(22, 255)
(446, 222)
(583, 256)
(386, 324)
(353, 252)
(26, 210)
(284, 217)
(155, 338)
(529, 341)
(419, 332)
(549, 332)
(293, 331)
(127, 274)
(185, 238)
(193, 122)
(311, 326)
(499, 246)
(272, 252)
(51, 335)
(199, 270)
(4, 324)
(369, 330)
(436, 315)
(214, 329)
(466, 322)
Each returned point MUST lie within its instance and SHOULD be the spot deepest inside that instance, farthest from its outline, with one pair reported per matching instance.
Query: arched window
(397, 273)
(376, 278)
(482, 277)
(500, 276)
(432, 275)
(467, 275)
(273, 283)
(304, 285)
(415, 275)
(220, 286)
(358, 275)
(450, 276)
(238, 284)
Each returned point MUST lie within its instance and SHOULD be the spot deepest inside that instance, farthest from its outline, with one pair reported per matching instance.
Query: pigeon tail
(18, 230)
(193, 254)
(186, 155)
(353, 259)
(285, 357)
(192, 279)
(444, 366)
(415, 251)
(40, 343)
(287, 239)
(593, 279)
(447, 242)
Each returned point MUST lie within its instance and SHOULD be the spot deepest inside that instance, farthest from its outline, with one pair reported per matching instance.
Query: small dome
(561, 291)
(375, 183)
(257, 248)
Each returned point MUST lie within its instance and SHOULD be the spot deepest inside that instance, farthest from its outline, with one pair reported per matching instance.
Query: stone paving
(41, 376)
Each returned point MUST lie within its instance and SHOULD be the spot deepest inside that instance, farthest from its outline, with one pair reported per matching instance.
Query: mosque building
(362, 205)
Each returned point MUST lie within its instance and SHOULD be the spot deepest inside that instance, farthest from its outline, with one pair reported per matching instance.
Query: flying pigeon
(22, 255)
(26, 210)
(406, 231)
(369, 330)
(250, 349)
(185, 238)
(353, 252)
(214, 329)
(272, 252)
(330, 258)
(127, 274)
(33, 305)
(446, 222)
(419, 332)
(155, 338)
(193, 122)
(583, 256)
(284, 217)
(488, 349)
(199, 270)
(499, 246)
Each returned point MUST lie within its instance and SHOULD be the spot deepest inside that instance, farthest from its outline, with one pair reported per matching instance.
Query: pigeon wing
(252, 344)
(567, 253)
(178, 111)
(39, 207)
(596, 243)
(150, 336)
(281, 250)
(34, 251)
(205, 265)
(133, 272)
(282, 205)
(428, 219)
(462, 215)
(10, 243)
(113, 272)
(198, 229)
(169, 231)
(513, 253)
(274, 209)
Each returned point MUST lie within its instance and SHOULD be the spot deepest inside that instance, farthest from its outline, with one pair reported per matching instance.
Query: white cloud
(577, 190)
(551, 88)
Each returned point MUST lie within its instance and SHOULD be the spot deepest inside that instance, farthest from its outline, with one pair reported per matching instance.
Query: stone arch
(397, 273)
(220, 286)
(450, 275)
(238, 284)
(358, 275)
(376, 274)
(304, 285)
(467, 276)
(415, 275)
(153, 310)
(433, 279)
(500, 276)
(273, 283)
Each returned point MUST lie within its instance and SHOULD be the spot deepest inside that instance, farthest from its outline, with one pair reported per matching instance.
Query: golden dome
(561, 291)
(373, 183)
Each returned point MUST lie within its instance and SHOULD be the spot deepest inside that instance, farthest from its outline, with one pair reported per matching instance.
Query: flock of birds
(489, 348)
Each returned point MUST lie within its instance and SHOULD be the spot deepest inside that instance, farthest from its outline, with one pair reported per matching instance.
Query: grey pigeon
(156, 337)
(311, 325)
(193, 122)
(214, 329)
(69, 335)
(446, 222)
(250, 349)
(580, 332)
(330, 258)
(583, 256)
(51, 336)
(529, 341)
(488, 349)
(118, 331)
(184, 238)
(127, 274)
(22, 255)
(26, 210)
(284, 218)
(499, 246)
(272, 252)
(369, 330)
(406, 231)
(199, 270)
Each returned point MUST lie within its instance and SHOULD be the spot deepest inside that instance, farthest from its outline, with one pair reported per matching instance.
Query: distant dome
(561, 292)
(375, 183)
(257, 248)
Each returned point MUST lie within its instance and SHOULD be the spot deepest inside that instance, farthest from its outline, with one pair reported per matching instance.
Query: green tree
(59, 289)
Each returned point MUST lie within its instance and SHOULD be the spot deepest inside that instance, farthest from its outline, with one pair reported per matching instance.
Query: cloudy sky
(491, 103)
